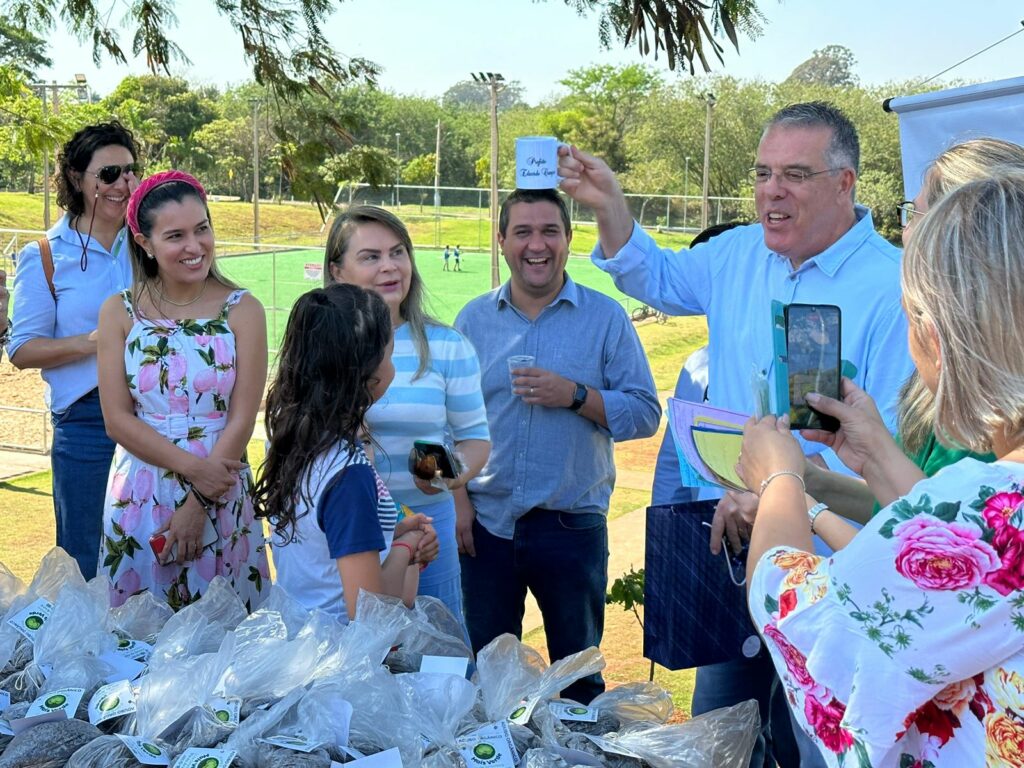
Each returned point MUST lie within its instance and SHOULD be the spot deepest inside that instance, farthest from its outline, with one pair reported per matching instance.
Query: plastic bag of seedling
(514, 679)
(140, 617)
(199, 628)
(48, 745)
(641, 702)
(116, 751)
(426, 629)
(723, 738)
(443, 704)
(28, 610)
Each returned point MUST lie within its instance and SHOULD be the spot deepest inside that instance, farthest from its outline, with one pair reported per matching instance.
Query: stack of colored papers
(708, 442)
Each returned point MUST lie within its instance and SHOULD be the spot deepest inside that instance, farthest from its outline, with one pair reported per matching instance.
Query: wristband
(412, 552)
(781, 473)
(813, 512)
(207, 504)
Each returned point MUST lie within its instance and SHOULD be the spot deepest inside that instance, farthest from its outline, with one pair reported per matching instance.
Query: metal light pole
(686, 190)
(437, 186)
(81, 87)
(255, 173)
(493, 80)
(398, 170)
(710, 100)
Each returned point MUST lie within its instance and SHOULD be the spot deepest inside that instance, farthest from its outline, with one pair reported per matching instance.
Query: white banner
(932, 122)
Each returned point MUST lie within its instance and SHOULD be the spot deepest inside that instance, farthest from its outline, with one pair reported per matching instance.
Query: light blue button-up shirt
(77, 309)
(553, 458)
(733, 279)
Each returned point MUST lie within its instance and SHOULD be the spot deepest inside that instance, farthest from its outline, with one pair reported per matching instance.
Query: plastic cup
(515, 362)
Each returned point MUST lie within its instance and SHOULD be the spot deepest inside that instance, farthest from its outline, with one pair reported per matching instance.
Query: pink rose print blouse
(905, 648)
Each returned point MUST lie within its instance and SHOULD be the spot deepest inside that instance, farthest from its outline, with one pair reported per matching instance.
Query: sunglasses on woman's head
(109, 174)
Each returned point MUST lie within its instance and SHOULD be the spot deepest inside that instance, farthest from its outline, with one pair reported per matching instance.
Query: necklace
(193, 300)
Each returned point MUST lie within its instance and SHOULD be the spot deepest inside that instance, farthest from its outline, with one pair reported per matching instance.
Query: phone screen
(428, 458)
(813, 333)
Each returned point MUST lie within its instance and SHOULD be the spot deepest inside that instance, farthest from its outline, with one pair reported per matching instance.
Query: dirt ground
(22, 389)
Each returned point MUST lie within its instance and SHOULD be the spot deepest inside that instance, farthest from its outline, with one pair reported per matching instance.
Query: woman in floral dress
(906, 648)
(182, 359)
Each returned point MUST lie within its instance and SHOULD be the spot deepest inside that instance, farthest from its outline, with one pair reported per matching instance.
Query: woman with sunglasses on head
(183, 361)
(61, 282)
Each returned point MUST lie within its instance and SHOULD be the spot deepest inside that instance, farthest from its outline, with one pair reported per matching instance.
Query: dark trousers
(562, 558)
(80, 456)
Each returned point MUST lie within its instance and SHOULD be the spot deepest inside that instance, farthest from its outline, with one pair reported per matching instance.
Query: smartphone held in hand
(813, 351)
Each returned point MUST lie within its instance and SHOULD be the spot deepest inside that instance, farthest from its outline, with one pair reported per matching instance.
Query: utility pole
(255, 173)
(493, 80)
(81, 87)
(710, 101)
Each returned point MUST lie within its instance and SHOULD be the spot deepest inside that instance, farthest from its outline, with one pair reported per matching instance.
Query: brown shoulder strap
(46, 255)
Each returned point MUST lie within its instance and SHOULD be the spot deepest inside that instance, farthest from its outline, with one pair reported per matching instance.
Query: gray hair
(843, 150)
(961, 281)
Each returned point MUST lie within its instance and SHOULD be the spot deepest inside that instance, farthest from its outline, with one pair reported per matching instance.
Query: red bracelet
(412, 552)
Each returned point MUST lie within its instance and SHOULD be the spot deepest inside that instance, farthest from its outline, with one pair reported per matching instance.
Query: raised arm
(589, 180)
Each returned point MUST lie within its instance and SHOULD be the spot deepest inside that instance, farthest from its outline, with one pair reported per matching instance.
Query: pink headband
(148, 185)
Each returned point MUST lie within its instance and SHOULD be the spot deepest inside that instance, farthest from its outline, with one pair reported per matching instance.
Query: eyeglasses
(109, 174)
(907, 212)
(760, 175)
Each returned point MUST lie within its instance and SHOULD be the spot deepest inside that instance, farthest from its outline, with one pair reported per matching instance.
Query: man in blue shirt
(811, 244)
(536, 517)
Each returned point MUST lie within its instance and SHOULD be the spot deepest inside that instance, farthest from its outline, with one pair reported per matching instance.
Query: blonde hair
(962, 163)
(961, 279)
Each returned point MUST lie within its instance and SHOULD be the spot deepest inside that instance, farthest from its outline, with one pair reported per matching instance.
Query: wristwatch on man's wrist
(579, 397)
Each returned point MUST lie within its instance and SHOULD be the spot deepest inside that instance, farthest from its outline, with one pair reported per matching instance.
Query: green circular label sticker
(577, 710)
(34, 622)
(109, 703)
(57, 700)
(517, 713)
(124, 644)
(484, 751)
(210, 762)
(223, 715)
(151, 748)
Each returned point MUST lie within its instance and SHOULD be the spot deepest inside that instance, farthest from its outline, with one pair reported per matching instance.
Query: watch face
(579, 397)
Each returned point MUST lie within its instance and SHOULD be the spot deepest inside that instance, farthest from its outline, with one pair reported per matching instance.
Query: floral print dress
(180, 373)
(906, 648)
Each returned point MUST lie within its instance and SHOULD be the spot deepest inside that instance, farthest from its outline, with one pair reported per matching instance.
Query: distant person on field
(458, 258)
(538, 514)
(61, 282)
(447, 255)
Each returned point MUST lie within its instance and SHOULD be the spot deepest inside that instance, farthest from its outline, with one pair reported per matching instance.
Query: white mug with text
(537, 162)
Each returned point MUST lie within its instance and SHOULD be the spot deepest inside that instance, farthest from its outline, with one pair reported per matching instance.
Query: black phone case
(446, 462)
(806, 417)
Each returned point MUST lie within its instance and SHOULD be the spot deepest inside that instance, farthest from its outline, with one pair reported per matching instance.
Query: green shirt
(933, 456)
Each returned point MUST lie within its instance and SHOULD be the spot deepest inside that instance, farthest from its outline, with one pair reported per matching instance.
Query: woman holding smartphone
(435, 396)
(61, 282)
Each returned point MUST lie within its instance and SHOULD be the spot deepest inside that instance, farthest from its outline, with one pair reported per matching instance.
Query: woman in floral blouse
(906, 648)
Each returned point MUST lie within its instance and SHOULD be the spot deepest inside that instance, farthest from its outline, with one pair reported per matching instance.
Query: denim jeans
(441, 579)
(562, 558)
(80, 456)
(731, 682)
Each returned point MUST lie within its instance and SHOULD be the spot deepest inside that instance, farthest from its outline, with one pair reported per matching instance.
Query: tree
(420, 170)
(830, 66)
(468, 94)
(21, 50)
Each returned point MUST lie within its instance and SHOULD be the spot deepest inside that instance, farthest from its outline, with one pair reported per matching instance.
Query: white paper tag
(198, 757)
(111, 701)
(5, 700)
(56, 705)
(489, 746)
(124, 668)
(445, 665)
(521, 715)
(145, 752)
(30, 619)
(136, 650)
(611, 746)
(227, 710)
(294, 743)
(389, 758)
(352, 752)
(573, 712)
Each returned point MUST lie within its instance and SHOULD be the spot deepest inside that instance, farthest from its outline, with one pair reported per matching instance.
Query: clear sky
(425, 46)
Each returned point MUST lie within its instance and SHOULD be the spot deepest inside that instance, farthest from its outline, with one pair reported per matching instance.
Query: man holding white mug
(810, 244)
(537, 511)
